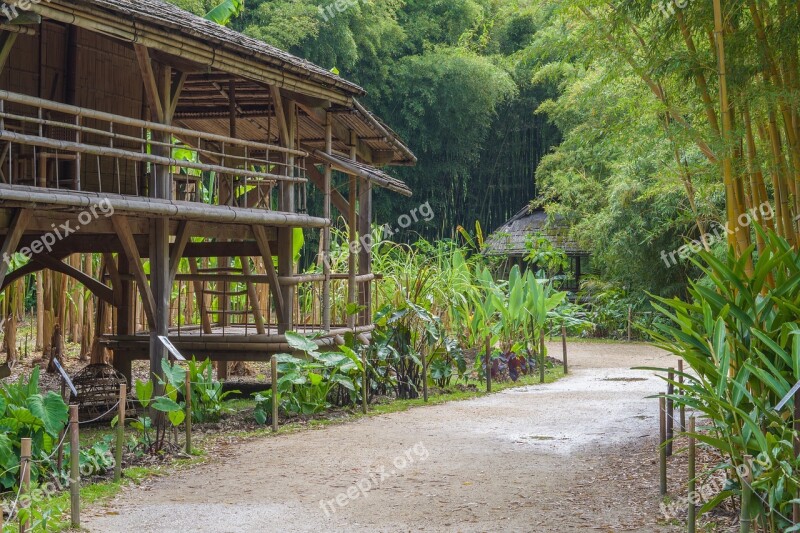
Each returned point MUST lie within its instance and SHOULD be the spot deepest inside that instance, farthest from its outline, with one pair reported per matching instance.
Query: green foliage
(309, 386)
(741, 338)
(25, 412)
(207, 395)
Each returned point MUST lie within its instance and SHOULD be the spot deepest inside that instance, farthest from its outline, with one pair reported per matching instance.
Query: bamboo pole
(745, 520)
(74, 468)
(680, 392)
(564, 349)
(692, 513)
(488, 362)
(662, 450)
(670, 411)
(275, 398)
(365, 384)
(188, 395)
(424, 377)
(542, 356)
(25, 483)
(123, 394)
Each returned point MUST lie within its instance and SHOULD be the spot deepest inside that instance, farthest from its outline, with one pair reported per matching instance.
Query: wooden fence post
(424, 377)
(745, 520)
(74, 468)
(275, 399)
(488, 361)
(670, 411)
(365, 384)
(662, 450)
(24, 482)
(123, 398)
(682, 407)
(692, 515)
(188, 395)
(564, 348)
(542, 358)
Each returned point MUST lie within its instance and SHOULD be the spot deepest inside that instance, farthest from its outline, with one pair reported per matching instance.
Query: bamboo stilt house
(182, 152)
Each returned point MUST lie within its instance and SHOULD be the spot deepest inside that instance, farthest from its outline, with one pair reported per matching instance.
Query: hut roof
(214, 56)
(161, 13)
(510, 238)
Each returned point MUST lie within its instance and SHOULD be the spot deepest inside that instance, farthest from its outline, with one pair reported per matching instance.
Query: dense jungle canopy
(607, 113)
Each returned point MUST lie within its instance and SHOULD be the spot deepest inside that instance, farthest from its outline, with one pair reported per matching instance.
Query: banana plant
(224, 12)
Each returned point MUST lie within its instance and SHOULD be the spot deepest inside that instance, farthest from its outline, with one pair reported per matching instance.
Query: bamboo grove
(726, 77)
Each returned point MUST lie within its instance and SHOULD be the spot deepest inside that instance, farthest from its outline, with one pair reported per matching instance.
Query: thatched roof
(509, 239)
(160, 13)
(216, 58)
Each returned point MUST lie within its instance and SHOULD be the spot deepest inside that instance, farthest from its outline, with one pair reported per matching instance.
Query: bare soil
(575, 455)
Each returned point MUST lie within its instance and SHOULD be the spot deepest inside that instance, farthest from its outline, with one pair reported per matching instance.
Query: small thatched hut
(510, 241)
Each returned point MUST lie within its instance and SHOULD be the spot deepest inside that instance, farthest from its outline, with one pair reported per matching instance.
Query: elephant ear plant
(25, 412)
(739, 334)
(307, 386)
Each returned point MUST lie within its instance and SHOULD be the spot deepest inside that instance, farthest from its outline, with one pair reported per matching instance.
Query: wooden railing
(53, 145)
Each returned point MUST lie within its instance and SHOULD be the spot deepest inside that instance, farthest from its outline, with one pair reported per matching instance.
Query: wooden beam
(266, 253)
(97, 288)
(252, 295)
(318, 179)
(175, 94)
(177, 249)
(132, 254)
(200, 298)
(280, 113)
(116, 280)
(340, 132)
(150, 82)
(18, 224)
(6, 46)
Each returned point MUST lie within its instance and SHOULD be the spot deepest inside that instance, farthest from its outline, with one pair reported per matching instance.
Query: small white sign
(65, 377)
(171, 348)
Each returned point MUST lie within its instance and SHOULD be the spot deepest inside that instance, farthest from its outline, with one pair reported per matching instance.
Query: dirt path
(574, 455)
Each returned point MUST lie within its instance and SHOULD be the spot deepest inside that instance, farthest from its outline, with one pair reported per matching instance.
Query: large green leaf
(166, 405)
(51, 410)
(301, 343)
(225, 11)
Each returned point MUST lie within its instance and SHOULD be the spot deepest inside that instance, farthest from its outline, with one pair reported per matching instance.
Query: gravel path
(574, 455)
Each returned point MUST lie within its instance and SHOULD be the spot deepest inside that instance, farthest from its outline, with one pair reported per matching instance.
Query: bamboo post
(682, 407)
(488, 361)
(796, 506)
(564, 348)
(365, 385)
(424, 377)
(74, 468)
(745, 520)
(692, 518)
(25, 482)
(630, 321)
(662, 450)
(188, 395)
(670, 411)
(123, 394)
(542, 356)
(274, 363)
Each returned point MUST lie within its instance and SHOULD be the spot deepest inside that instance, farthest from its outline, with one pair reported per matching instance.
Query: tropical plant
(26, 413)
(740, 335)
(306, 386)
(207, 395)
